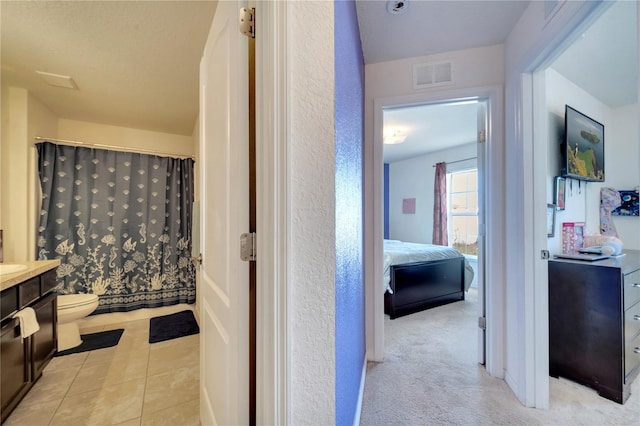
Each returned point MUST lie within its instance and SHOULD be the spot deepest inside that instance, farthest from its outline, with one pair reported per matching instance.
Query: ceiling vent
(432, 74)
(58, 80)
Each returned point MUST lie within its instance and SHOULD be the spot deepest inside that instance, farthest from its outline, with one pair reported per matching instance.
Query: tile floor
(133, 383)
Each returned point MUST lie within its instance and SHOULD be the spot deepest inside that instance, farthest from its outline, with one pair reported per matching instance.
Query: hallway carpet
(430, 376)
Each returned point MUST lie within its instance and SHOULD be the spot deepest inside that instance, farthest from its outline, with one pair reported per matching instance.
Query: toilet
(71, 308)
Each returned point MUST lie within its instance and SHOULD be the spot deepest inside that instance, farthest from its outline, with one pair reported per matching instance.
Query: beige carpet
(430, 377)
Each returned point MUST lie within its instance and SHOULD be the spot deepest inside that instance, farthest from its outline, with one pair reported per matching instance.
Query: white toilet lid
(75, 300)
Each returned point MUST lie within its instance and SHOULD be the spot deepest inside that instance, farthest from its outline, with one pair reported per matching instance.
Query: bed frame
(422, 285)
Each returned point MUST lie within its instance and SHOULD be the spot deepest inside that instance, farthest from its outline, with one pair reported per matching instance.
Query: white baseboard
(356, 420)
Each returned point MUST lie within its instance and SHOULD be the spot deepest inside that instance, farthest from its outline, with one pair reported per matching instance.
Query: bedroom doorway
(490, 233)
(415, 138)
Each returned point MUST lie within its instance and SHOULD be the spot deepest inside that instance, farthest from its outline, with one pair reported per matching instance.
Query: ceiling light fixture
(58, 80)
(397, 7)
(394, 138)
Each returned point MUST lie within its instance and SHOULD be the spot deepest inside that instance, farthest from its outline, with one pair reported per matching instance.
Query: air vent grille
(432, 74)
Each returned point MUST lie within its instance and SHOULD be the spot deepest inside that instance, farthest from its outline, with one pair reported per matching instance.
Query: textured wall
(350, 345)
(312, 201)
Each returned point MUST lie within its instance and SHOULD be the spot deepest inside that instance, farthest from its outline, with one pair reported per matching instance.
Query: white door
(224, 200)
(482, 226)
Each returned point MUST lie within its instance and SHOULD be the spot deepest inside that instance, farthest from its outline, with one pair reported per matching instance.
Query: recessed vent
(432, 74)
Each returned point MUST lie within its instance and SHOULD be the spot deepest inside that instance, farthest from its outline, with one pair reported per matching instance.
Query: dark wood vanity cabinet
(23, 360)
(14, 366)
(594, 323)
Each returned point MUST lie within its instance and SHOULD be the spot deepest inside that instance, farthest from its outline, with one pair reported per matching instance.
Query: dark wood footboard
(422, 285)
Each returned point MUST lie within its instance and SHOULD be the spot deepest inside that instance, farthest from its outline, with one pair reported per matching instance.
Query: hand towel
(28, 322)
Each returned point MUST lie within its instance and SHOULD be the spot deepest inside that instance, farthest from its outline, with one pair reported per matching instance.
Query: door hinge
(248, 21)
(544, 254)
(482, 323)
(482, 136)
(248, 246)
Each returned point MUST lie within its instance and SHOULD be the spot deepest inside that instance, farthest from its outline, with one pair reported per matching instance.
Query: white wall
(621, 152)
(414, 178)
(23, 118)
(312, 255)
(97, 133)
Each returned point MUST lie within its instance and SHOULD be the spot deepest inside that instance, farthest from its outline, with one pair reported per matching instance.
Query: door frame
(273, 215)
(529, 374)
(494, 167)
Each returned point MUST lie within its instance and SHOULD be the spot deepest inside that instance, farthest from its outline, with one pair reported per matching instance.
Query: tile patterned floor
(133, 383)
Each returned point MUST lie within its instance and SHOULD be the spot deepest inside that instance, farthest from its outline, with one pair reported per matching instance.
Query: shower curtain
(120, 223)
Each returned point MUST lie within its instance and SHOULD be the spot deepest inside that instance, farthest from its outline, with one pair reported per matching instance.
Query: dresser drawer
(632, 322)
(632, 359)
(631, 288)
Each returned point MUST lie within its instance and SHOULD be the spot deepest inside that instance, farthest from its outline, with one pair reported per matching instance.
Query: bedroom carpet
(430, 376)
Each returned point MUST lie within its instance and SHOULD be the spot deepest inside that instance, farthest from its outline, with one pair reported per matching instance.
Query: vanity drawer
(28, 292)
(631, 288)
(48, 281)
(8, 302)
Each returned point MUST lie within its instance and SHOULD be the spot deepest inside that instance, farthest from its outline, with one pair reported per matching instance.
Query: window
(462, 198)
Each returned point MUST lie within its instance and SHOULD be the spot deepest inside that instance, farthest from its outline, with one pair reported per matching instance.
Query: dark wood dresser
(594, 323)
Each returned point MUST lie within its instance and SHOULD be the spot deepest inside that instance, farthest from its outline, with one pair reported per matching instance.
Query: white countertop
(34, 268)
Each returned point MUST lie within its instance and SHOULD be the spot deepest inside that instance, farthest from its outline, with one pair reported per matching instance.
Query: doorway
(489, 233)
(416, 138)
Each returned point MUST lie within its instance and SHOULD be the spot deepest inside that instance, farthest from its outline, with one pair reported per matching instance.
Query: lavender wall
(349, 104)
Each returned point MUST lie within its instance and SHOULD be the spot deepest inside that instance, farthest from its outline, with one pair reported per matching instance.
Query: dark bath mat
(172, 326)
(93, 341)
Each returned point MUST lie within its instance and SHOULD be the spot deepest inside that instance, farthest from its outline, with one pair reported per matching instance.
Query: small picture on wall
(629, 207)
(551, 220)
(559, 192)
(409, 206)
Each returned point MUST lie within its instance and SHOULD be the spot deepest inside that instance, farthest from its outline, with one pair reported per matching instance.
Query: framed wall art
(629, 206)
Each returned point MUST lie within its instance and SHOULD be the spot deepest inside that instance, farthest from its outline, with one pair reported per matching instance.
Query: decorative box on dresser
(594, 323)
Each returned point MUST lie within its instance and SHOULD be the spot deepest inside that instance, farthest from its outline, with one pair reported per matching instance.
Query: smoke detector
(397, 7)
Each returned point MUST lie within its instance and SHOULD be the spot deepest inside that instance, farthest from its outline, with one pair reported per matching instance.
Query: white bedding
(398, 252)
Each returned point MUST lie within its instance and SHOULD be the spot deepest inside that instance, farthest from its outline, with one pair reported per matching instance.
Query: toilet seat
(69, 301)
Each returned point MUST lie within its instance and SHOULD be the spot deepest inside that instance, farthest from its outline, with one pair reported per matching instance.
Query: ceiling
(603, 61)
(136, 63)
(428, 27)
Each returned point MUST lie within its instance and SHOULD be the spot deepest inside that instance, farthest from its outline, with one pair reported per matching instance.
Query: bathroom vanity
(23, 360)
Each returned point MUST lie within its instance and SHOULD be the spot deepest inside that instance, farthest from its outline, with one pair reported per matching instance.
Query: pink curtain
(440, 206)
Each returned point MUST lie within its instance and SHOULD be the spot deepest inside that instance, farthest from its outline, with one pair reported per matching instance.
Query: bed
(422, 276)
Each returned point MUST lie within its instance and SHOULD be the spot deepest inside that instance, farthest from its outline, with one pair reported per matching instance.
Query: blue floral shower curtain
(120, 223)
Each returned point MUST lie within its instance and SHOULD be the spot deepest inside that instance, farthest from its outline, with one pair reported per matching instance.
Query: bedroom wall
(621, 152)
(414, 178)
(349, 99)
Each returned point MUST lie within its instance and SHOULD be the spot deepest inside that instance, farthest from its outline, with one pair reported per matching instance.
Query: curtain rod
(113, 147)
(459, 161)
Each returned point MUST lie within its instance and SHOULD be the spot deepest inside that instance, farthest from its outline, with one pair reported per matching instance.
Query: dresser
(594, 323)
